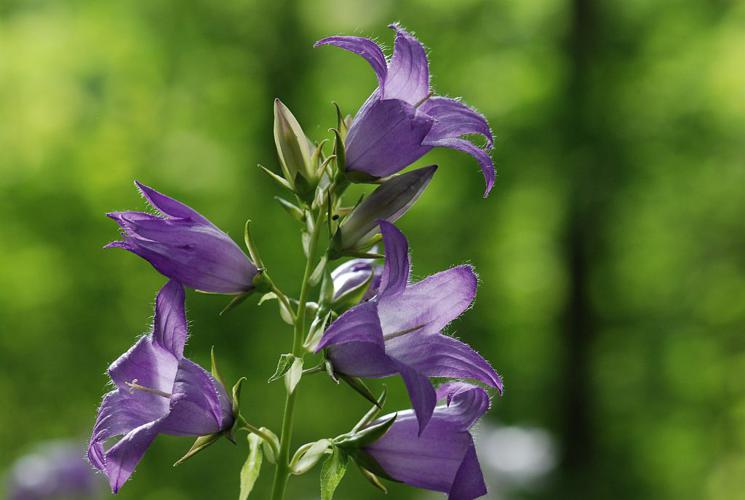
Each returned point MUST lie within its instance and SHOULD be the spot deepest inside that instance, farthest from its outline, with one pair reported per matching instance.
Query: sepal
(200, 444)
(354, 440)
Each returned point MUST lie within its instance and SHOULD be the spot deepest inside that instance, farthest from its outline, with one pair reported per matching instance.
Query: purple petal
(454, 119)
(199, 405)
(168, 206)
(469, 480)
(355, 343)
(124, 456)
(408, 71)
(198, 255)
(169, 324)
(385, 137)
(147, 364)
(466, 403)
(442, 356)
(364, 47)
(428, 306)
(485, 161)
(430, 460)
(353, 274)
(421, 393)
(396, 269)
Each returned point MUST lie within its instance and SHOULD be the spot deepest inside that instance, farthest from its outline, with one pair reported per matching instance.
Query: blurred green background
(611, 251)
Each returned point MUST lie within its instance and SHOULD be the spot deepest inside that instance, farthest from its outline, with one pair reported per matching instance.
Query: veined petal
(421, 393)
(469, 480)
(147, 365)
(442, 356)
(454, 119)
(386, 137)
(355, 343)
(396, 268)
(429, 460)
(408, 71)
(363, 47)
(169, 323)
(124, 456)
(485, 161)
(428, 306)
(168, 206)
(199, 405)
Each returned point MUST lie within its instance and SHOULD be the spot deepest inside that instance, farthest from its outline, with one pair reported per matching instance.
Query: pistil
(133, 385)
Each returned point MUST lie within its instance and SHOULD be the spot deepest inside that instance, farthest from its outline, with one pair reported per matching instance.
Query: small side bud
(388, 202)
(293, 147)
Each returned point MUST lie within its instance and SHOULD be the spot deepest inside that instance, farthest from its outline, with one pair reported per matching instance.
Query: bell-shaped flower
(401, 121)
(400, 330)
(443, 457)
(157, 391)
(185, 246)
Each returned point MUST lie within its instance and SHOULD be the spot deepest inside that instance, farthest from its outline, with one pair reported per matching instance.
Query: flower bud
(294, 149)
(388, 202)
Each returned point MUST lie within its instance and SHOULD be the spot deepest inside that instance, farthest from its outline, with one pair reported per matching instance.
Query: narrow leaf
(251, 469)
(332, 473)
(283, 364)
(293, 375)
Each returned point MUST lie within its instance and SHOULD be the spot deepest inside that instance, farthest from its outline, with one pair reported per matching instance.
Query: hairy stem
(282, 471)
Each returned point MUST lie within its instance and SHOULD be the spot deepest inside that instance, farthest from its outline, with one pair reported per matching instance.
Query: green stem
(255, 430)
(282, 471)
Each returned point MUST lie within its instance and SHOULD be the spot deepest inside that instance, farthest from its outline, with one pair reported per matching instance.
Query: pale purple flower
(183, 245)
(399, 331)
(401, 121)
(158, 391)
(54, 469)
(355, 273)
(443, 457)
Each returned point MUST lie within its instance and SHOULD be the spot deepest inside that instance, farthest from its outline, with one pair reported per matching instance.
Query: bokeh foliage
(611, 252)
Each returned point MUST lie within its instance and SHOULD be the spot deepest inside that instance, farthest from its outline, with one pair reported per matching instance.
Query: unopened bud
(293, 147)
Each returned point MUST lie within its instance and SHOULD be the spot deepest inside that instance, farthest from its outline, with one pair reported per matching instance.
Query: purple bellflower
(54, 469)
(185, 246)
(401, 121)
(399, 331)
(443, 457)
(158, 391)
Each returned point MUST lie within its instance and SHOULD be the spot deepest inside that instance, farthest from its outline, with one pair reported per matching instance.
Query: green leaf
(308, 455)
(201, 443)
(332, 473)
(283, 364)
(252, 467)
(293, 375)
(358, 385)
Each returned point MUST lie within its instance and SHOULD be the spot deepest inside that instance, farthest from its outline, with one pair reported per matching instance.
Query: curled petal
(169, 324)
(385, 137)
(396, 269)
(408, 71)
(466, 403)
(428, 306)
(168, 206)
(363, 47)
(454, 119)
(485, 161)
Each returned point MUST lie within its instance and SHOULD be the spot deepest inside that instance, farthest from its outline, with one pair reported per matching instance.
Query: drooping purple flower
(355, 273)
(52, 470)
(443, 457)
(158, 391)
(399, 331)
(185, 246)
(401, 121)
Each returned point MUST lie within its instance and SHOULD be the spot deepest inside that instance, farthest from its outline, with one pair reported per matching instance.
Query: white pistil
(135, 386)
